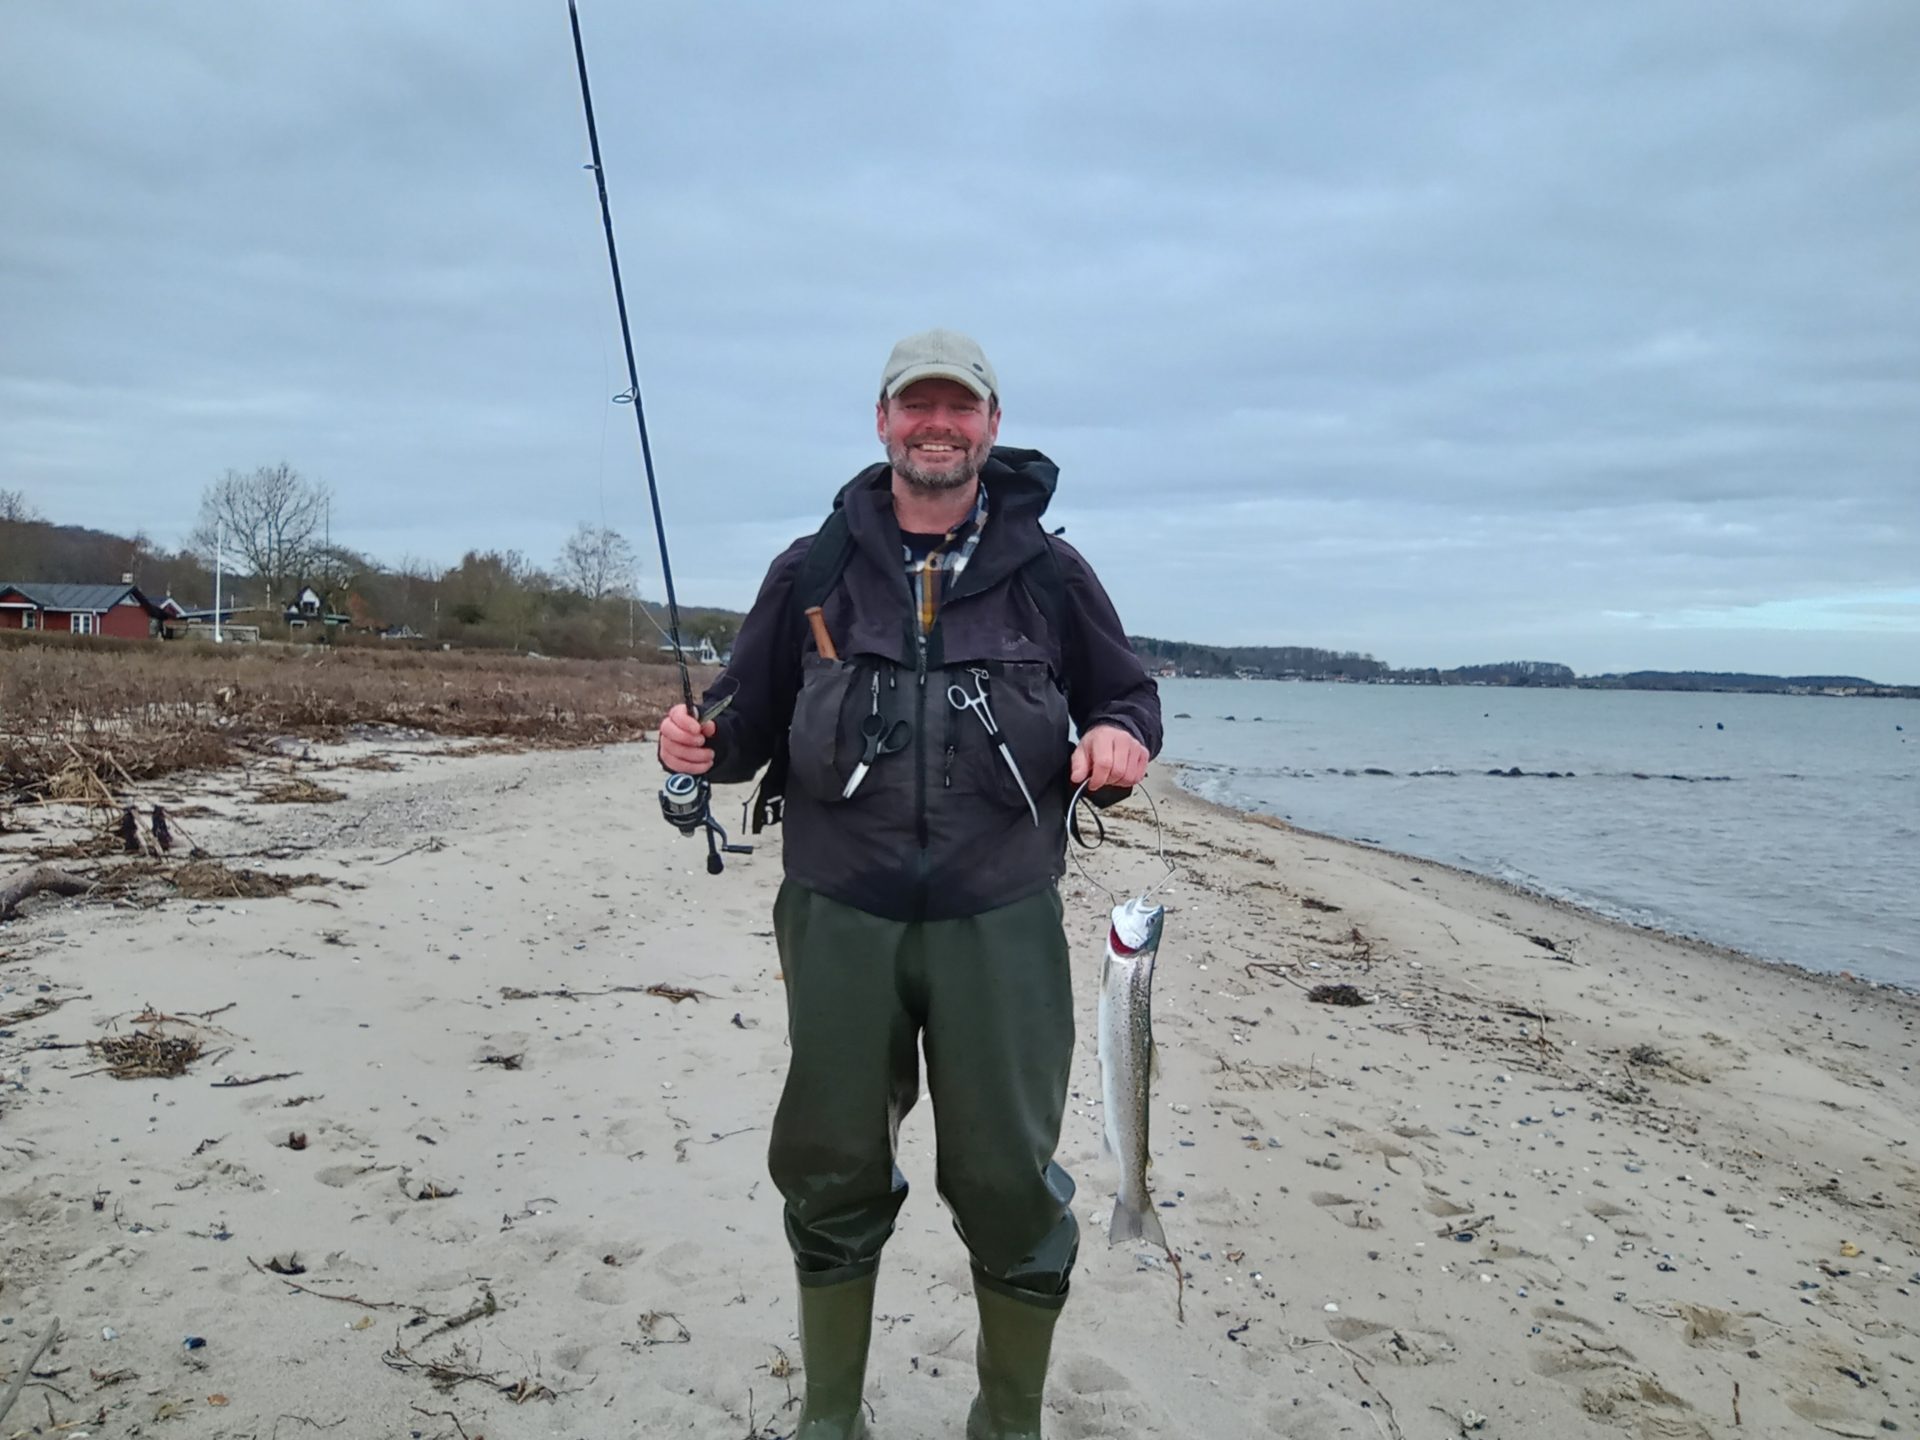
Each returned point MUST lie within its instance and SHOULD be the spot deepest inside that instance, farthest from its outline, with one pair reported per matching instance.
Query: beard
(927, 481)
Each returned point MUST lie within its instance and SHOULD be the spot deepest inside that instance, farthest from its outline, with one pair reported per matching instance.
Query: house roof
(59, 595)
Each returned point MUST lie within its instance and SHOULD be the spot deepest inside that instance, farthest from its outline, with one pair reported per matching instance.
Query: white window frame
(83, 622)
(29, 619)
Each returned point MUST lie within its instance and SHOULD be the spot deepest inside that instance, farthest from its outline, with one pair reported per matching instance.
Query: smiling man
(918, 739)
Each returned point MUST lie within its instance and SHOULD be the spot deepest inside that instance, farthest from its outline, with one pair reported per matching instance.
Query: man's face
(937, 434)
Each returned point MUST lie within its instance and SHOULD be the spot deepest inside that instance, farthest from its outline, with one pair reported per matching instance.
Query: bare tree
(334, 570)
(417, 589)
(597, 562)
(273, 520)
(14, 505)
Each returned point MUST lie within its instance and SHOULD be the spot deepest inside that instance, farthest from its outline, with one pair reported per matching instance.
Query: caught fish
(1126, 1063)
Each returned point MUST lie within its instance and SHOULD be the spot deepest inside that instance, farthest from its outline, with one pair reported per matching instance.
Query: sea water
(1784, 826)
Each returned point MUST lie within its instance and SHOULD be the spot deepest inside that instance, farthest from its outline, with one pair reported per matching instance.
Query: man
(927, 772)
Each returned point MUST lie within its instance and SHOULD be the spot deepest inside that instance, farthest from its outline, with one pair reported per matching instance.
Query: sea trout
(1126, 1063)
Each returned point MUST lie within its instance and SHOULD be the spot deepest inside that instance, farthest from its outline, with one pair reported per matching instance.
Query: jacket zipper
(953, 738)
(922, 864)
(919, 740)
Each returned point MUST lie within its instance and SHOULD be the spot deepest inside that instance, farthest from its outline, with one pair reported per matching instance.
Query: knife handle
(822, 641)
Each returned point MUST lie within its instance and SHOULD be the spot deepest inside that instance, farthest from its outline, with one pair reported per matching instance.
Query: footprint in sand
(225, 1174)
(1575, 1358)
(1347, 1211)
(1833, 1419)
(1711, 1329)
(1090, 1375)
(1560, 1315)
(1394, 1344)
(1655, 1412)
(1388, 1150)
(1437, 1203)
(1095, 1401)
(605, 1286)
(626, 1136)
(1215, 1207)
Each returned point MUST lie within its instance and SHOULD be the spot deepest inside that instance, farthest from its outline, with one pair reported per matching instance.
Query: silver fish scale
(1126, 1066)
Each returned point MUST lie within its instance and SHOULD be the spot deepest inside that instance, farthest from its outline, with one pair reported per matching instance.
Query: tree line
(271, 528)
(1277, 662)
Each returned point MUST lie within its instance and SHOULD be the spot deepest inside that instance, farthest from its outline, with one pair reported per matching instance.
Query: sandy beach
(1555, 1178)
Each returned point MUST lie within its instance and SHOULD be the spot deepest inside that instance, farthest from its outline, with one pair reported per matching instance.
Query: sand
(1558, 1177)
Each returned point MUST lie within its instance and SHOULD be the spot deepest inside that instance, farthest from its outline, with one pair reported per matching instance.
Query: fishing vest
(939, 829)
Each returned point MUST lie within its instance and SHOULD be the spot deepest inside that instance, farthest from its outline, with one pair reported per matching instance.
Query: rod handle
(822, 641)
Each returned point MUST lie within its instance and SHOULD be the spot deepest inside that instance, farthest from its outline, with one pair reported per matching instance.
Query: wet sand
(1574, 1178)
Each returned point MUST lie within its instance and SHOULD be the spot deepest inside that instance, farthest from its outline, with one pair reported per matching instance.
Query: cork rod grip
(822, 641)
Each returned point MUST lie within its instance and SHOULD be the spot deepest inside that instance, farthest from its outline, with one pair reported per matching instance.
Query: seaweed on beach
(298, 791)
(147, 1054)
(367, 762)
(659, 990)
(211, 880)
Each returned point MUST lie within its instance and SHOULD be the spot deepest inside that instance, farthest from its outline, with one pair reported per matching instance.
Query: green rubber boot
(1016, 1340)
(836, 1322)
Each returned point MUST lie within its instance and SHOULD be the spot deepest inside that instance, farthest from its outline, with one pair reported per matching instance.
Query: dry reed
(82, 712)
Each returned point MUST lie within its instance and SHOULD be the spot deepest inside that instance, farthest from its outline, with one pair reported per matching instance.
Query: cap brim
(960, 373)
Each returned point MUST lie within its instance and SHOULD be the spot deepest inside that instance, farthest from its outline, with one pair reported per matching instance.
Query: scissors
(977, 702)
(877, 739)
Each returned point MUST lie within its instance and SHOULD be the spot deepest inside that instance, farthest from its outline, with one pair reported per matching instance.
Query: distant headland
(1169, 658)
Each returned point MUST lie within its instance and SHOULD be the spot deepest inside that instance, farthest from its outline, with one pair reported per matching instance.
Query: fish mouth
(1135, 927)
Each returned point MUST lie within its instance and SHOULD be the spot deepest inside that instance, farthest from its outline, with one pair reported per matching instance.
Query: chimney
(126, 578)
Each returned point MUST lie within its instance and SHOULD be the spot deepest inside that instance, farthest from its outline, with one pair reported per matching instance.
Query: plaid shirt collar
(932, 574)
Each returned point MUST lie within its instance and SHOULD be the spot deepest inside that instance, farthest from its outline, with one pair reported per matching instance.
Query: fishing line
(630, 396)
(685, 800)
(1100, 830)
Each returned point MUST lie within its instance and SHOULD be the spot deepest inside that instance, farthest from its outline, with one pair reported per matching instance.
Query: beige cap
(939, 354)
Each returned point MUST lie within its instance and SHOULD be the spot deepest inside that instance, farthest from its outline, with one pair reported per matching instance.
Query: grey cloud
(1425, 331)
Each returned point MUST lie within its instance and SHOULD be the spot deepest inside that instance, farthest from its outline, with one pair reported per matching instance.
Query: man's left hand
(1108, 755)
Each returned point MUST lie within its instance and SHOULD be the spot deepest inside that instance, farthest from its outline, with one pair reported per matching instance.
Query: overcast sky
(1454, 333)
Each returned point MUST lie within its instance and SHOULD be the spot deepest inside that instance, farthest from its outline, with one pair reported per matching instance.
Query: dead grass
(87, 717)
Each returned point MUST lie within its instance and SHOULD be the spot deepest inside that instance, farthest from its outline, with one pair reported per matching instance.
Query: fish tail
(1135, 1223)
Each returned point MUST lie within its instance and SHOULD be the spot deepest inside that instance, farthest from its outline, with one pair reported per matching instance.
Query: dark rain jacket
(939, 829)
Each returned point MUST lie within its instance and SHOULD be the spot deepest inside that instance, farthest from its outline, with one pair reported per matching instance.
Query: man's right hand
(683, 743)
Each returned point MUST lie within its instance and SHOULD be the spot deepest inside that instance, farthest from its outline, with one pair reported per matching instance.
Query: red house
(117, 610)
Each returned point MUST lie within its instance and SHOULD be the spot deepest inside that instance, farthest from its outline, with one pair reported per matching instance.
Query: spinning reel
(685, 804)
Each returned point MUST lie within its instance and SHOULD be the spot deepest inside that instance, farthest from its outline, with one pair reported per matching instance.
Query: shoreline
(1592, 913)
(1584, 1191)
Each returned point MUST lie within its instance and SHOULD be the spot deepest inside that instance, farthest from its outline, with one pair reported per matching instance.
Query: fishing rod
(685, 800)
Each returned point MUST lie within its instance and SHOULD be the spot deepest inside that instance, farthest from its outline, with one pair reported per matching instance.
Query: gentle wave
(1778, 826)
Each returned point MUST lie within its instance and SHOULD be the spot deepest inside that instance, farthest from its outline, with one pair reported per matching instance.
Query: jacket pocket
(823, 738)
(1032, 716)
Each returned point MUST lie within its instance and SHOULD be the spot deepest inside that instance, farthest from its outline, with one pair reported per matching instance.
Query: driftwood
(21, 1376)
(37, 880)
